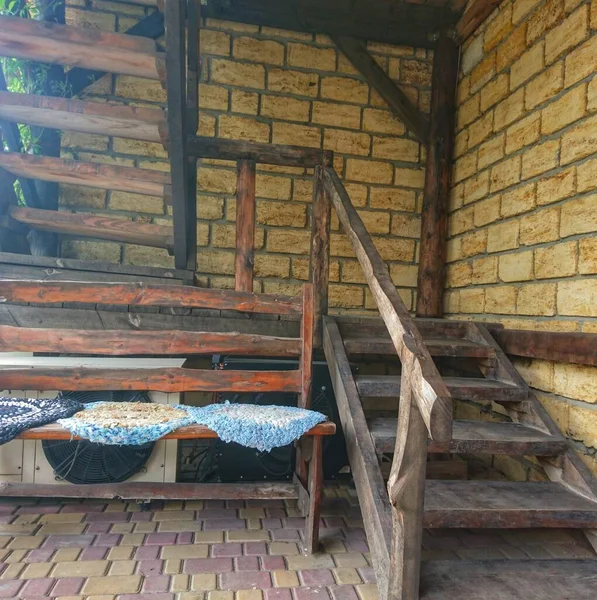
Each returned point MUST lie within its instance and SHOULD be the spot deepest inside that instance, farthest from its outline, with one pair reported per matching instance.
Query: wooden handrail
(430, 392)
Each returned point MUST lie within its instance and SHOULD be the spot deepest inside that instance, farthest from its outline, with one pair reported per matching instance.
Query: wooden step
(41, 41)
(148, 182)
(471, 437)
(463, 388)
(101, 118)
(505, 505)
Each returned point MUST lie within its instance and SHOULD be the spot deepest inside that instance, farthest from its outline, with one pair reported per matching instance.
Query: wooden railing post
(245, 225)
(320, 251)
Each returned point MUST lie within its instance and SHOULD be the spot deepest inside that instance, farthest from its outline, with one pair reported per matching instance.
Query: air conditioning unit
(25, 461)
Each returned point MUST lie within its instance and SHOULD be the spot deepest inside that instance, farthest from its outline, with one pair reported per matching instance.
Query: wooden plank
(273, 154)
(112, 177)
(378, 79)
(471, 437)
(94, 226)
(431, 393)
(144, 343)
(141, 294)
(315, 494)
(319, 260)
(436, 193)
(245, 226)
(54, 431)
(371, 489)
(505, 505)
(306, 360)
(473, 17)
(29, 39)
(100, 118)
(184, 201)
(567, 347)
(167, 380)
(463, 388)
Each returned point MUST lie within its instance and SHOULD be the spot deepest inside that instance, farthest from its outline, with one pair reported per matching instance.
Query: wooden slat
(379, 80)
(112, 177)
(306, 360)
(143, 343)
(371, 489)
(245, 226)
(54, 431)
(101, 118)
(477, 12)
(167, 380)
(94, 226)
(273, 154)
(436, 193)
(311, 544)
(505, 504)
(140, 294)
(29, 39)
(464, 388)
(471, 437)
(431, 393)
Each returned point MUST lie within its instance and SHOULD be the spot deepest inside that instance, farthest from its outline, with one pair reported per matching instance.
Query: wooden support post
(245, 226)
(315, 489)
(406, 487)
(307, 346)
(432, 262)
(320, 252)
(184, 201)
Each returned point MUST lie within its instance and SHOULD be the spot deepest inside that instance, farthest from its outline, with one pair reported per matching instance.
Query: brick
(82, 197)
(537, 299)
(577, 382)
(504, 174)
(556, 261)
(487, 211)
(567, 35)
(474, 243)
(217, 262)
(462, 221)
(512, 48)
(271, 186)
(392, 199)
(483, 72)
(311, 57)
(283, 107)
(292, 82)
(214, 42)
(345, 296)
(396, 149)
(587, 260)
(554, 188)
(185, 551)
(509, 110)
(412, 178)
(338, 115)
(139, 148)
(461, 143)
(485, 270)
(137, 87)
(523, 133)
(347, 142)
(519, 200)
(480, 130)
(395, 249)
(281, 214)
(540, 227)
(491, 151)
(403, 276)
(593, 15)
(501, 300)
(217, 180)
(375, 221)
(578, 298)
(203, 582)
(382, 121)
(207, 125)
(344, 89)
(472, 55)
(346, 576)
(73, 139)
(123, 584)
(465, 166)
(516, 267)
(472, 300)
(406, 226)
(586, 176)
(297, 135)
(85, 250)
(569, 108)
(458, 274)
(540, 158)
(238, 74)
(243, 128)
(592, 95)
(581, 62)
(579, 216)
(544, 18)
(530, 63)
(288, 241)
(468, 112)
(537, 373)
(580, 141)
(415, 72)
(369, 171)
(494, 91)
(244, 102)
(545, 86)
(503, 236)
(262, 51)
(81, 568)
(476, 187)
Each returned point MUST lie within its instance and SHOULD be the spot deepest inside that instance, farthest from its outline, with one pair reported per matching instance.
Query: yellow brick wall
(282, 87)
(523, 222)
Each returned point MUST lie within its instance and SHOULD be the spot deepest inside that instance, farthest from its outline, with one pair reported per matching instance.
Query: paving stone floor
(217, 550)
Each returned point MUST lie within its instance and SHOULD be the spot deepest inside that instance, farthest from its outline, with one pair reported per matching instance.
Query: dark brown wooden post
(315, 491)
(320, 251)
(432, 263)
(245, 225)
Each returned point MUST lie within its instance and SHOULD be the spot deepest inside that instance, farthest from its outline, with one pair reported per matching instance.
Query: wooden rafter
(379, 80)
(472, 18)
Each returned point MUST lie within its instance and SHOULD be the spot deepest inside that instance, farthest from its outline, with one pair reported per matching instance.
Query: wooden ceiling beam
(473, 17)
(401, 106)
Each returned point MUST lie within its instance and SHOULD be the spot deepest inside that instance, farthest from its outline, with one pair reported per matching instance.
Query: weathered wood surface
(101, 118)
(315, 496)
(473, 17)
(433, 398)
(306, 360)
(245, 226)
(470, 437)
(94, 226)
(505, 504)
(112, 177)
(436, 193)
(319, 263)
(144, 343)
(379, 80)
(189, 432)
(41, 41)
(273, 154)
(167, 380)
(371, 489)
(568, 347)
(141, 294)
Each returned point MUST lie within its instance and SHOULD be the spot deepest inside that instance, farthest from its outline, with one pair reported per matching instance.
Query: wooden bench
(307, 483)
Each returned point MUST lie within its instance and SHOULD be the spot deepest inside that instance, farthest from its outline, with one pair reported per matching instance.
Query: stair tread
(384, 386)
(505, 504)
(478, 436)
